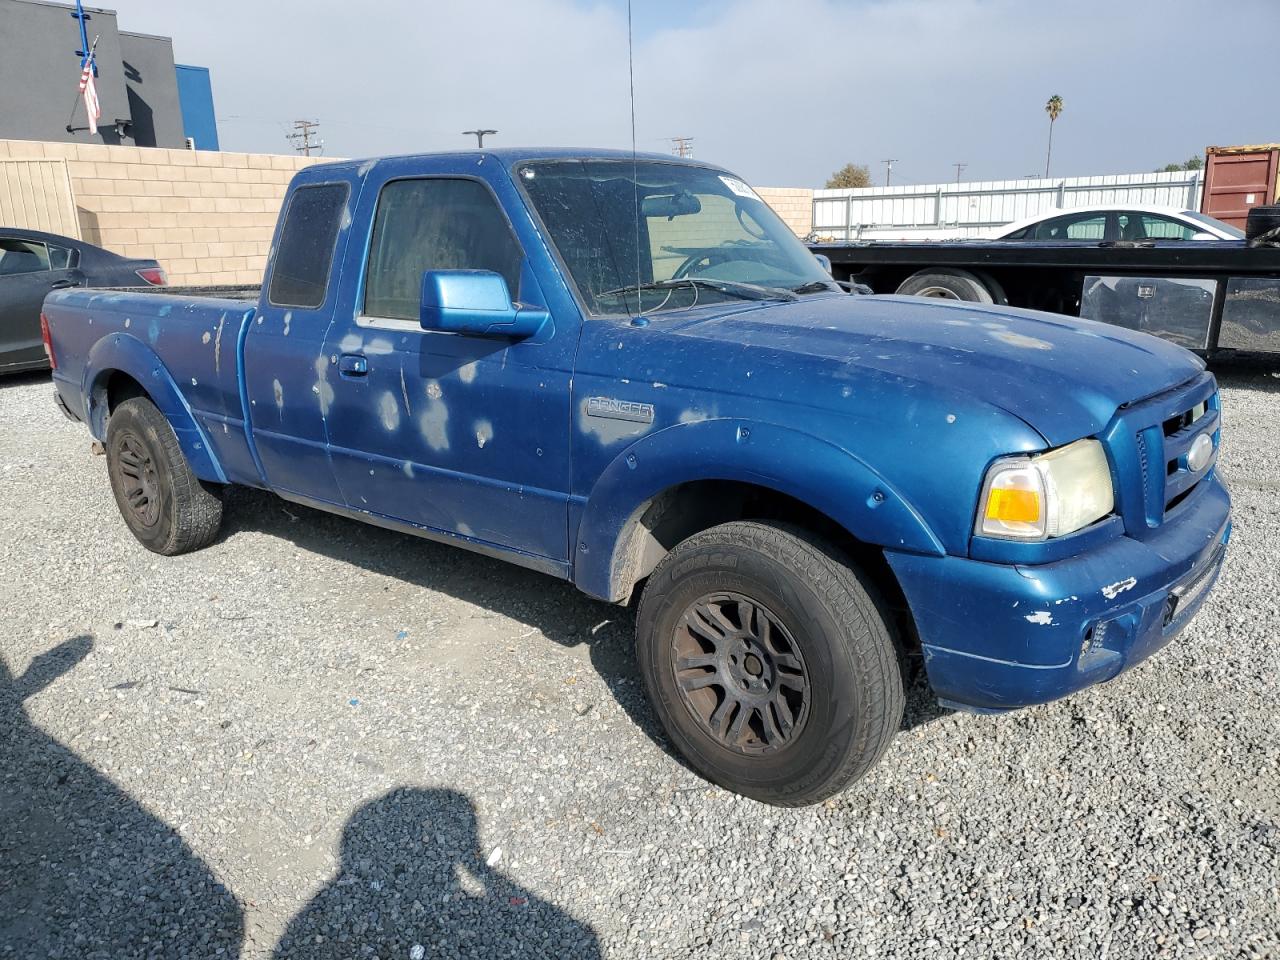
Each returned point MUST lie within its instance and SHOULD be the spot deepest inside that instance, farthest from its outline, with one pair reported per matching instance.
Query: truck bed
(198, 333)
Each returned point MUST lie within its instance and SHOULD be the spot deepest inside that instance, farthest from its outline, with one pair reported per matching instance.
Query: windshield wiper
(829, 286)
(814, 286)
(733, 288)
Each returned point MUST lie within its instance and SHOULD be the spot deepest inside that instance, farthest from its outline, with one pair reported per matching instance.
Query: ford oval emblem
(1201, 453)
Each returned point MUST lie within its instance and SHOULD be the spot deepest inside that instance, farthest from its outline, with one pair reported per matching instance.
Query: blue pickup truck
(625, 371)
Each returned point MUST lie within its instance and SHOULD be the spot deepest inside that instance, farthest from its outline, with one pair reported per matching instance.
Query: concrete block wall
(207, 216)
(793, 204)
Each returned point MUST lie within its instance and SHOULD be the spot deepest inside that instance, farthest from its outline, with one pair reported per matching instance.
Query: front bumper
(1000, 636)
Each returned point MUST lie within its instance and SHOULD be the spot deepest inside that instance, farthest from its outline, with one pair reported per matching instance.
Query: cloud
(782, 92)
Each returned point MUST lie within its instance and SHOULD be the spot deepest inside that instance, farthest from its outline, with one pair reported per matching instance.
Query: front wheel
(163, 503)
(770, 662)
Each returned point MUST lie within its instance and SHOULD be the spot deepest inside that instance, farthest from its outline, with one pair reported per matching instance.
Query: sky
(783, 92)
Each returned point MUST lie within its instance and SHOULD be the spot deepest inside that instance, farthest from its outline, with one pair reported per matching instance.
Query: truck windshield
(703, 236)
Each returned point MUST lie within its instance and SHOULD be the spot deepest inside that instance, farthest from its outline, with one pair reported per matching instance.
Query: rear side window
(60, 258)
(434, 224)
(303, 261)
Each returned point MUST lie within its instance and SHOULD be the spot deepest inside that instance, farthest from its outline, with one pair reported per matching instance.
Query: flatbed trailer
(1217, 297)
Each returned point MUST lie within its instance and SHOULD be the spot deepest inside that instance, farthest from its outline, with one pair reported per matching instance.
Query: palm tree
(1054, 109)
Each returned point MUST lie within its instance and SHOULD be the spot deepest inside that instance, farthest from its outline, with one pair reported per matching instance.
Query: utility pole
(960, 168)
(479, 135)
(301, 136)
(682, 146)
(888, 170)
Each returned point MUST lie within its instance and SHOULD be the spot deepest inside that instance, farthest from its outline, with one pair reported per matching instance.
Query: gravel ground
(318, 738)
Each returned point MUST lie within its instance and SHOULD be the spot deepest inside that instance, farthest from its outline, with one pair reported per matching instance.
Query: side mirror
(475, 302)
(823, 261)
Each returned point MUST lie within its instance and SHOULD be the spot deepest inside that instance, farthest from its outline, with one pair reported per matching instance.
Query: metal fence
(941, 210)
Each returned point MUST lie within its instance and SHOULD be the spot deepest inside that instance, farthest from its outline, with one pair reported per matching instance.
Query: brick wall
(206, 216)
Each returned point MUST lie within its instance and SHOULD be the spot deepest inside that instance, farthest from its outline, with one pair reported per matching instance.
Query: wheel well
(689, 508)
(121, 387)
(107, 393)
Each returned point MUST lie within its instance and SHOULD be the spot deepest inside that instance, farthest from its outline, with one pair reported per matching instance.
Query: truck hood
(1063, 376)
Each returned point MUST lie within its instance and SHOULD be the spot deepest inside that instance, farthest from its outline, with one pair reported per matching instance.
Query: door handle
(63, 284)
(353, 365)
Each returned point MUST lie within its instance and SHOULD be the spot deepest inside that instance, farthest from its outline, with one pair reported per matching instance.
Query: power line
(479, 135)
(682, 146)
(888, 170)
(301, 137)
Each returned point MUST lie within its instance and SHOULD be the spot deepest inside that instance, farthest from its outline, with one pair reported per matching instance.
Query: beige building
(206, 216)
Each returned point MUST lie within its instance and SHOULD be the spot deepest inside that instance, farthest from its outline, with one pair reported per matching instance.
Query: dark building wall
(152, 87)
(40, 78)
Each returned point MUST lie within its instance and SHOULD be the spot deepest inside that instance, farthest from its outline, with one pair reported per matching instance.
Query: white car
(1129, 221)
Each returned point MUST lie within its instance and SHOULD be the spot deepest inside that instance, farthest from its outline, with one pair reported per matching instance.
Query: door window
(1082, 226)
(434, 224)
(22, 256)
(300, 276)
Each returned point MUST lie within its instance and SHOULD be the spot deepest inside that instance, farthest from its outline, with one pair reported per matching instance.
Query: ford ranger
(626, 372)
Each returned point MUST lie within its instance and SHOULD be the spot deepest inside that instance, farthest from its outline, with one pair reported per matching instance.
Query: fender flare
(121, 352)
(828, 478)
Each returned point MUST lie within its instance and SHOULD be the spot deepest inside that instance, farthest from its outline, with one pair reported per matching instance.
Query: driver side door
(457, 433)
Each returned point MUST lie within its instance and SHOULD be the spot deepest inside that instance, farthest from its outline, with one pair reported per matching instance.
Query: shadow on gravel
(413, 883)
(26, 379)
(1249, 376)
(556, 608)
(85, 871)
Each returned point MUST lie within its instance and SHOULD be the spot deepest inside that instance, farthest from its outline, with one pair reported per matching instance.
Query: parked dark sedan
(33, 263)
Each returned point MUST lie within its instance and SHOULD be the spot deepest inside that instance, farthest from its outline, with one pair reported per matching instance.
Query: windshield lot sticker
(740, 188)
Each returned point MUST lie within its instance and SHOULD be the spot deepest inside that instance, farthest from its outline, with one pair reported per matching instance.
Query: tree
(850, 175)
(1194, 163)
(1054, 109)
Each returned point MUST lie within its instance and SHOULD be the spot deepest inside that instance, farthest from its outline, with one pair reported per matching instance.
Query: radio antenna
(635, 176)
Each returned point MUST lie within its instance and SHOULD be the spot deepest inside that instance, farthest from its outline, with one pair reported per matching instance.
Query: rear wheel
(947, 285)
(770, 662)
(166, 506)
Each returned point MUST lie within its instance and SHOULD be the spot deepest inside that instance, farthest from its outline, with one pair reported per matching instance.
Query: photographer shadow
(413, 883)
(85, 870)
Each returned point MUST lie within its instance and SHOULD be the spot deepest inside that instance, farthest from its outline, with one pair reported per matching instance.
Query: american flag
(89, 90)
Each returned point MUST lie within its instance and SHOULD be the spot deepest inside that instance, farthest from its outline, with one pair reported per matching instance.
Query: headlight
(1049, 495)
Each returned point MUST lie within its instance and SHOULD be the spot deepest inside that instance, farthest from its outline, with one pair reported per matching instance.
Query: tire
(1262, 220)
(163, 503)
(946, 285)
(829, 661)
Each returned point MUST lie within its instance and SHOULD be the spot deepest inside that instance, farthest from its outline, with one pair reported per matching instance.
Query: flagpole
(85, 53)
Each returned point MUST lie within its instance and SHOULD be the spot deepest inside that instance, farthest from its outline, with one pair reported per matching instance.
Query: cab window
(300, 276)
(434, 224)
